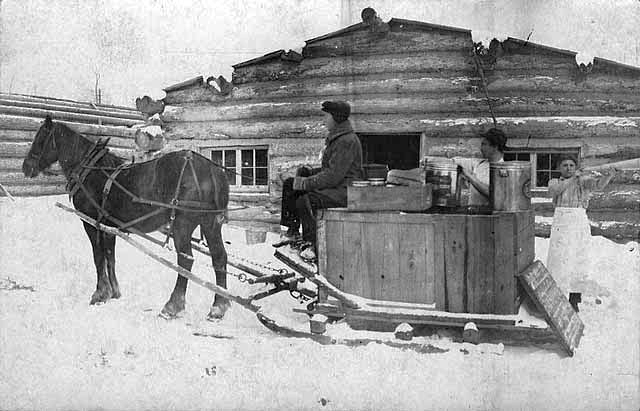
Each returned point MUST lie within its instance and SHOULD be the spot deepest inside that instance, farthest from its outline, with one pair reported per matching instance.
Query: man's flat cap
(340, 108)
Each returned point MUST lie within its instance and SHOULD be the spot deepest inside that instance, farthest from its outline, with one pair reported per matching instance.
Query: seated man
(326, 187)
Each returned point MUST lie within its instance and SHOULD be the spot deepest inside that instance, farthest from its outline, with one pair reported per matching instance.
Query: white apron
(569, 246)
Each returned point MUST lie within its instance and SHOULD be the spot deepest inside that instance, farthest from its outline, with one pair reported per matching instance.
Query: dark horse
(167, 180)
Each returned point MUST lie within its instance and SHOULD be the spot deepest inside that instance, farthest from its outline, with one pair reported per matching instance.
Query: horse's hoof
(171, 311)
(98, 299)
(115, 294)
(167, 316)
(218, 311)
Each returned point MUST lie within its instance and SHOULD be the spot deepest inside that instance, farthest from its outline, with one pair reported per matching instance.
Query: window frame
(239, 187)
(533, 159)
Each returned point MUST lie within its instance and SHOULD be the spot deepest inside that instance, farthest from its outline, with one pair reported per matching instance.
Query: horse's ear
(47, 120)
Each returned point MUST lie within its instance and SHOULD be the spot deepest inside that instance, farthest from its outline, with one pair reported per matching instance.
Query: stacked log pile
(21, 116)
(413, 77)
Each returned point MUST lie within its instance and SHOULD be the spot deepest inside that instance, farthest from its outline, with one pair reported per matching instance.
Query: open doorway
(398, 151)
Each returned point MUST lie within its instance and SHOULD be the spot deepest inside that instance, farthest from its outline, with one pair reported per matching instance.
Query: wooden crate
(462, 263)
(381, 198)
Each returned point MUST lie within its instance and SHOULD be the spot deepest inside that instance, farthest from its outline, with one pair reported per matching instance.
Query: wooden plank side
(430, 266)
(354, 273)
(334, 269)
(480, 268)
(373, 262)
(543, 290)
(414, 198)
(505, 264)
(525, 239)
(440, 289)
(390, 284)
(321, 241)
(455, 251)
(412, 263)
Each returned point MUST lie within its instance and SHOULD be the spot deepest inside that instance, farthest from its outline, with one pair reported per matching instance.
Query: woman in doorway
(567, 259)
(494, 142)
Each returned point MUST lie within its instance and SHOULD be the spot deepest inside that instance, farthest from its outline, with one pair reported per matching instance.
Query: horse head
(43, 151)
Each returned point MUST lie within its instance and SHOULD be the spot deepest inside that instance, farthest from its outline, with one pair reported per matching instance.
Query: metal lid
(448, 166)
(511, 165)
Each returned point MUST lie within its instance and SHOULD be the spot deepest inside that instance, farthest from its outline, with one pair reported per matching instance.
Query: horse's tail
(220, 191)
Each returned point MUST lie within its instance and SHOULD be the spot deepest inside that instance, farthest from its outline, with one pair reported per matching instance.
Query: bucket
(443, 177)
(510, 186)
(255, 236)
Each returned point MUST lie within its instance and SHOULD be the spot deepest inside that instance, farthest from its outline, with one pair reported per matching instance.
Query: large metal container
(443, 176)
(510, 186)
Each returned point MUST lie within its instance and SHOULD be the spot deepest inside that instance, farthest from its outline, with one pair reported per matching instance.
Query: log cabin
(22, 115)
(418, 89)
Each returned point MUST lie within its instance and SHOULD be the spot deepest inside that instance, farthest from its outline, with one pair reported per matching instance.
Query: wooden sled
(560, 323)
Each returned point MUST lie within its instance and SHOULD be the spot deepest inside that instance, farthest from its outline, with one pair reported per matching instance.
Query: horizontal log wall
(25, 107)
(428, 106)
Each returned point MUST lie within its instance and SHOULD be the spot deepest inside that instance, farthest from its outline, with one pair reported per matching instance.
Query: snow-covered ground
(57, 352)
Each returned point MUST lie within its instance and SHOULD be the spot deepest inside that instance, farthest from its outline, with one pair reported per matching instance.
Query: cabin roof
(511, 43)
(525, 43)
(196, 81)
(71, 103)
(421, 25)
(394, 22)
(598, 61)
(30, 106)
(278, 54)
(338, 33)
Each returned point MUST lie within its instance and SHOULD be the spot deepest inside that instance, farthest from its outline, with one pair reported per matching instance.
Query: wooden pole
(7, 193)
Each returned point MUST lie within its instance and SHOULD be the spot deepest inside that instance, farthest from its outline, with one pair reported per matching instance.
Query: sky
(131, 48)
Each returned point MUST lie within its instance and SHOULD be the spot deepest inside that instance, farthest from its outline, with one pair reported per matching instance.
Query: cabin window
(398, 151)
(544, 162)
(246, 167)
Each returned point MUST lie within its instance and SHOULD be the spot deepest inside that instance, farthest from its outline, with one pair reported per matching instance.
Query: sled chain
(256, 264)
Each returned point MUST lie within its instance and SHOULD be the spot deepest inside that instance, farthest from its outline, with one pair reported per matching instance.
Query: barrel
(509, 186)
(442, 175)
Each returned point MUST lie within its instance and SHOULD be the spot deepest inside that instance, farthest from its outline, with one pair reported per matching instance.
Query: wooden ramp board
(551, 300)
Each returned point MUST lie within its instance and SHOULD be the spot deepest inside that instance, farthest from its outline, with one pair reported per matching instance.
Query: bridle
(37, 156)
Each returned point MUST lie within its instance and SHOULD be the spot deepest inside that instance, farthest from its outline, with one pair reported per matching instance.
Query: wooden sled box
(461, 263)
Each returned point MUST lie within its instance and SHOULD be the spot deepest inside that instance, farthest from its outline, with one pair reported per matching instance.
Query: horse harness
(88, 164)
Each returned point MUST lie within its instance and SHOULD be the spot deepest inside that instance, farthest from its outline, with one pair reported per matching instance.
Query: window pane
(230, 158)
(542, 178)
(216, 157)
(524, 157)
(247, 176)
(247, 158)
(231, 176)
(261, 158)
(555, 174)
(543, 162)
(261, 176)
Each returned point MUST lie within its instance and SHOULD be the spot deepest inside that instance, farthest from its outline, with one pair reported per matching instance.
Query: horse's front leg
(182, 242)
(103, 287)
(213, 234)
(109, 248)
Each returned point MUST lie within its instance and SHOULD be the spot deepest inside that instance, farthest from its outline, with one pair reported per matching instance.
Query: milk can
(510, 186)
(443, 176)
